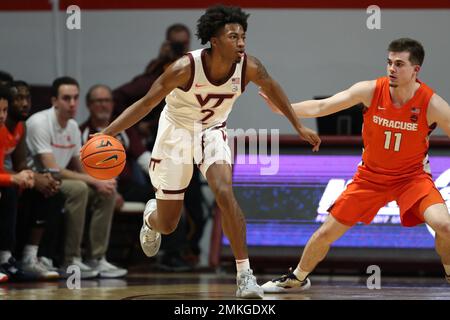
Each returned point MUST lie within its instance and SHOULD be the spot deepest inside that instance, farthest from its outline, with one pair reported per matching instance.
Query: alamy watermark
(374, 280)
(373, 22)
(212, 145)
(74, 279)
(73, 21)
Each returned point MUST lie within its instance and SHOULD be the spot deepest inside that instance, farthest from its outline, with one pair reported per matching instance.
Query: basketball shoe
(33, 265)
(248, 288)
(150, 239)
(106, 269)
(286, 283)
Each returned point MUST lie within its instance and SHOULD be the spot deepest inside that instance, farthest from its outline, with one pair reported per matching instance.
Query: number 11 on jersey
(387, 142)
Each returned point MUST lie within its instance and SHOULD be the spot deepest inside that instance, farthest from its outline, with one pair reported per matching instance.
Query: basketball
(103, 157)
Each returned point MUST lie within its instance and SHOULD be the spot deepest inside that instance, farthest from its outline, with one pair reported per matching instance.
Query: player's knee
(224, 194)
(443, 230)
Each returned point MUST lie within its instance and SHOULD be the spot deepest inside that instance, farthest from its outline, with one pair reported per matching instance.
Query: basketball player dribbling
(400, 114)
(200, 89)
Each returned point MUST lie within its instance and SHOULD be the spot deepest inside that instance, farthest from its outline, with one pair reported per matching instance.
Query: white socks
(30, 253)
(300, 274)
(242, 265)
(4, 256)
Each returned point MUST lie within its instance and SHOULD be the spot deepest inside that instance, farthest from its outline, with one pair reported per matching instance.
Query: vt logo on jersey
(115, 157)
(104, 144)
(220, 98)
(208, 112)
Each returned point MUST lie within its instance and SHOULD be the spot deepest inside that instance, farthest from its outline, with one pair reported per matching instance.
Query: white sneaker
(150, 239)
(286, 283)
(106, 269)
(85, 271)
(47, 263)
(248, 288)
(33, 265)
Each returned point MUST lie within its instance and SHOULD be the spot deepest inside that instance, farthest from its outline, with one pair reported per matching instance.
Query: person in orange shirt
(9, 184)
(23, 179)
(399, 115)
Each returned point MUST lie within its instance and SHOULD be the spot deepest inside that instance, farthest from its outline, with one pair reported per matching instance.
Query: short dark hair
(5, 94)
(414, 47)
(62, 81)
(216, 17)
(19, 83)
(177, 27)
(5, 77)
(96, 86)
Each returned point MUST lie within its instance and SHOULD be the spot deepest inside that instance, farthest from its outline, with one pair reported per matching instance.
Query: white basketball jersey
(204, 101)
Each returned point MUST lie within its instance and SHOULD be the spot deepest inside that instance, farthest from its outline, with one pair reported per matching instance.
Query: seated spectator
(10, 184)
(44, 201)
(54, 142)
(133, 182)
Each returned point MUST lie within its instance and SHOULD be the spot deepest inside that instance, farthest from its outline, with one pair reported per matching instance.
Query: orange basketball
(103, 157)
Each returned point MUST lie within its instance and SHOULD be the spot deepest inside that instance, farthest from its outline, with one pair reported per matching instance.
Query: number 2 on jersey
(387, 142)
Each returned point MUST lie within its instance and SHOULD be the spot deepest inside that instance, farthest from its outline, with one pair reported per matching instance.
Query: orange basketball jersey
(396, 138)
(8, 142)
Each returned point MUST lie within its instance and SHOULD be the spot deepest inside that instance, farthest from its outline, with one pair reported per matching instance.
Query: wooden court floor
(216, 286)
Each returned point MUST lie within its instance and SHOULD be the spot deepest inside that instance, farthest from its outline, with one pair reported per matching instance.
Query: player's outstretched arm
(257, 73)
(439, 112)
(359, 92)
(176, 75)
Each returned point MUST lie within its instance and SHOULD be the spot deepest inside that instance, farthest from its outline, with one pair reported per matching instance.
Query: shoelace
(285, 277)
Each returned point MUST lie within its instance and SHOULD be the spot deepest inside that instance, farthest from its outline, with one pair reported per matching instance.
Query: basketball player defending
(399, 116)
(200, 89)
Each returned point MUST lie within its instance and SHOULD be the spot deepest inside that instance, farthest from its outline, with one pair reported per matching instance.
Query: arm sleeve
(5, 179)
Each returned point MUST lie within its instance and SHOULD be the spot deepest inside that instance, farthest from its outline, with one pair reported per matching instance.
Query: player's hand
(269, 102)
(90, 137)
(106, 187)
(311, 136)
(95, 134)
(24, 179)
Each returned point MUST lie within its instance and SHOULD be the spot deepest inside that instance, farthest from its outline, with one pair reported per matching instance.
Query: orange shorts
(362, 199)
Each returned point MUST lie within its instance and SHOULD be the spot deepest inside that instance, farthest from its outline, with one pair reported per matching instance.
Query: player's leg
(161, 215)
(421, 202)
(315, 251)
(319, 244)
(233, 222)
(215, 166)
(170, 171)
(359, 202)
(219, 177)
(438, 218)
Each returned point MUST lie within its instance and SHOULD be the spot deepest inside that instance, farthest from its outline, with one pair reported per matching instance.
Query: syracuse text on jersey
(395, 124)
